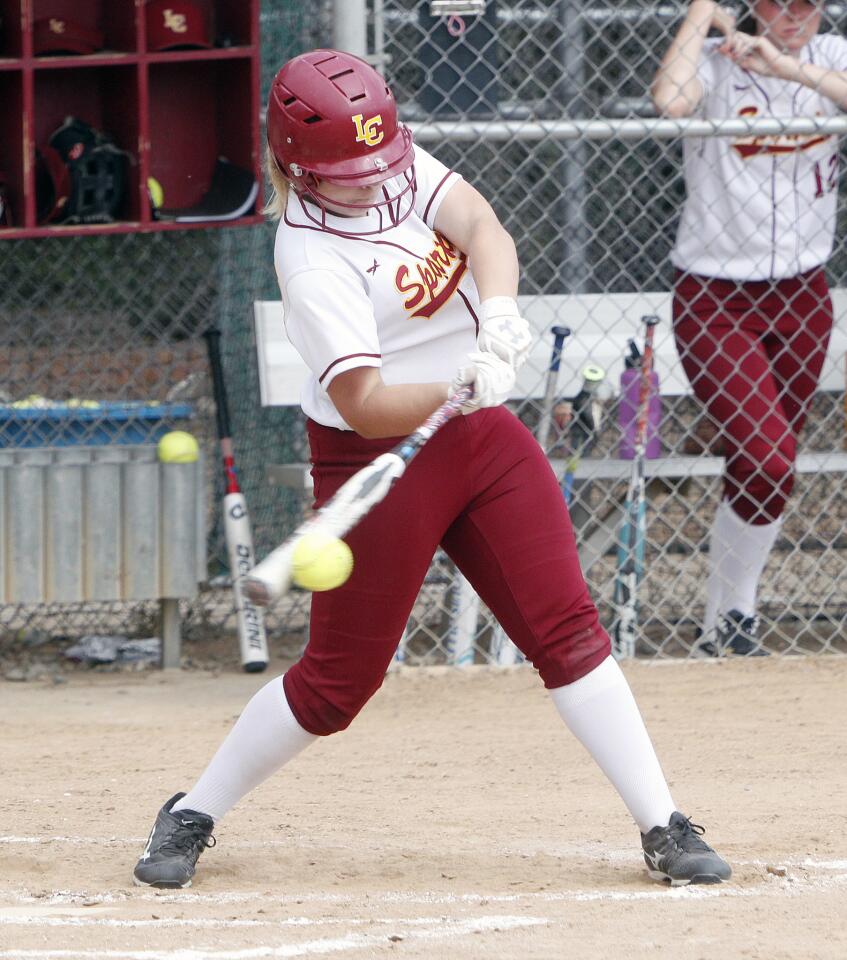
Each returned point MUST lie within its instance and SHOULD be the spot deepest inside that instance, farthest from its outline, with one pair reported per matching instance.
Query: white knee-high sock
(738, 552)
(265, 737)
(601, 712)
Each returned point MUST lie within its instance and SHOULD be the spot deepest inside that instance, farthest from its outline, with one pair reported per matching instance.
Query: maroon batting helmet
(332, 117)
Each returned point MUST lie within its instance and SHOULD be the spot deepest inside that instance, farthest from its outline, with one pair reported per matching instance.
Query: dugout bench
(602, 324)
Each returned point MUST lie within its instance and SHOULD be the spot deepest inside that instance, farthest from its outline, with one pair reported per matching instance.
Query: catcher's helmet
(332, 117)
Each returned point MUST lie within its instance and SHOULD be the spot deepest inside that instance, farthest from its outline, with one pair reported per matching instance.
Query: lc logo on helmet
(366, 130)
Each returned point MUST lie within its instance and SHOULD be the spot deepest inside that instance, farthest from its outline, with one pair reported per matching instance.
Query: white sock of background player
(265, 737)
(738, 552)
(601, 712)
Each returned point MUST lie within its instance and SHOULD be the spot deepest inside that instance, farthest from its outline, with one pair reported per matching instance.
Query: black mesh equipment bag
(98, 173)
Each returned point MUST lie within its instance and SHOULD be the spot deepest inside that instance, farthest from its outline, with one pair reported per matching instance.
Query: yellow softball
(178, 447)
(321, 562)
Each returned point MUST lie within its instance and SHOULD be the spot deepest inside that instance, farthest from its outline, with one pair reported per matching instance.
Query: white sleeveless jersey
(402, 300)
(760, 207)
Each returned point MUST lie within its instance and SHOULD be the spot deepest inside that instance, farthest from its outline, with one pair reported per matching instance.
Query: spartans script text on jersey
(402, 300)
(760, 207)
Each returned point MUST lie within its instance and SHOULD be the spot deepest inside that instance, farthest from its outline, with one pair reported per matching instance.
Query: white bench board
(601, 324)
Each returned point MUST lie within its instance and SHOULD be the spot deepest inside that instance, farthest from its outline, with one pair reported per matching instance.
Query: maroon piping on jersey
(350, 356)
(435, 194)
(769, 108)
(470, 309)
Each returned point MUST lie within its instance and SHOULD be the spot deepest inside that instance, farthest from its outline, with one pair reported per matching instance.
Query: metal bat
(585, 424)
(252, 640)
(630, 560)
(271, 579)
(546, 420)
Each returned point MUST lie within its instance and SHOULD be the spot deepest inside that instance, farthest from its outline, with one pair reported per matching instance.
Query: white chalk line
(17, 917)
(595, 852)
(770, 885)
(447, 930)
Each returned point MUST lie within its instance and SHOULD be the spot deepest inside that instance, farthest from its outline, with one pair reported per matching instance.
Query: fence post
(349, 26)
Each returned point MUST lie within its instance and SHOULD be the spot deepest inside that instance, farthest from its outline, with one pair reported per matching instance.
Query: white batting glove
(492, 380)
(503, 331)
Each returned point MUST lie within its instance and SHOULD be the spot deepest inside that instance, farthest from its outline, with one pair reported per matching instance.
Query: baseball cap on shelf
(60, 35)
(175, 24)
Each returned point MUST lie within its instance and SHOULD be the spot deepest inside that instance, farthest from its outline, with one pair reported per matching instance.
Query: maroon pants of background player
(753, 353)
(482, 489)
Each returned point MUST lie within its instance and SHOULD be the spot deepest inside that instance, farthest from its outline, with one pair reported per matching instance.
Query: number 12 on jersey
(826, 175)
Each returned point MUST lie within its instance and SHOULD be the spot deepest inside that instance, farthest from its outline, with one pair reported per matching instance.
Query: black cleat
(736, 635)
(175, 842)
(677, 853)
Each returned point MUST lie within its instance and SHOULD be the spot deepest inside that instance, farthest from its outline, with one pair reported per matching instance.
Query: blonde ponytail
(275, 207)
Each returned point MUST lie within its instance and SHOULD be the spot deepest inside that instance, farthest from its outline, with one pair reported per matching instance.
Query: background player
(752, 311)
(395, 273)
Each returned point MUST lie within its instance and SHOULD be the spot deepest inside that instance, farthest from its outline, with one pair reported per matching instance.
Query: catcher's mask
(97, 170)
(332, 117)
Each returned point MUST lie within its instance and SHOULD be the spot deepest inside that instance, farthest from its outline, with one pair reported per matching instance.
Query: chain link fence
(543, 105)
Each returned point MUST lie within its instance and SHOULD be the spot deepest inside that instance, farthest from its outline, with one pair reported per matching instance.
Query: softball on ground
(178, 447)
(321, 562)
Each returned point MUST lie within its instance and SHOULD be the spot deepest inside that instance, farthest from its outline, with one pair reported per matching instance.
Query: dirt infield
(457, 818)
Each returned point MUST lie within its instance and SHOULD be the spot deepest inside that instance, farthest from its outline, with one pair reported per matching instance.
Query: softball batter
(752, 311)
(399, 285)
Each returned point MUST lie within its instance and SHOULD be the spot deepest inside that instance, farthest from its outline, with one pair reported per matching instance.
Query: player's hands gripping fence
(630, 564)
(252, 639)
(271, 579)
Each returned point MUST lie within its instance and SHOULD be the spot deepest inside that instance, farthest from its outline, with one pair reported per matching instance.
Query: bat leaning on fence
(271, 579)
(545, 421)
(252, 639)
(585, 425)
(630, 558)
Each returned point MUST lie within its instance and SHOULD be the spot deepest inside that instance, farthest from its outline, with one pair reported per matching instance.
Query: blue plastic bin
(65, 425)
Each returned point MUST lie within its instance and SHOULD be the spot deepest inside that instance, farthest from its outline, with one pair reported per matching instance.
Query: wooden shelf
(173, 112)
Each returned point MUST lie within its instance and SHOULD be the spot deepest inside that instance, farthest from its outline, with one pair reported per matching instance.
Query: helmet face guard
(331, 117)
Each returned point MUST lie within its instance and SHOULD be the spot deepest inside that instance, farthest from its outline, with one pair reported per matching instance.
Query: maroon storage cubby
(173, 108)
(183, 155)
(11, 46)
(11, 149)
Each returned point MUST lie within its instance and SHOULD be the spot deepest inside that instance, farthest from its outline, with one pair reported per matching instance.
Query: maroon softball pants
(753, 353)
(483, 489)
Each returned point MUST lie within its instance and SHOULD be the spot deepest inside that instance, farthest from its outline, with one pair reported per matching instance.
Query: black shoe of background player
(678, 854)
(175, 842)
(736, 635)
